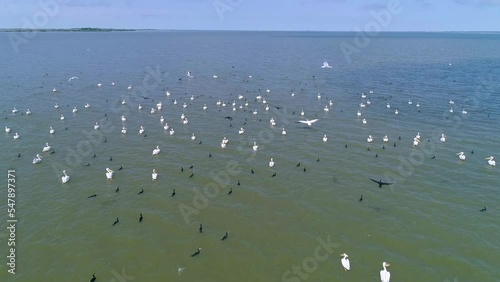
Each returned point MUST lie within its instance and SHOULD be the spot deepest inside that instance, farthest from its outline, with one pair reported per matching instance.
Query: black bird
(93, 278)
(117, 189)
(94, 156)
(192, 174)
(252, 171)
(376, 156)
(140, 217)
(317, 159)
(399, 138)
(383, 147)
(145, 135)
(116, 221)
(368, 148)
(483, 209)
(230, 191)
(209, 155)
(225, 236)
(121, 167)
(105, 140)
(142, 191)
(196, 253)
(345, 146)
(380, 183)
(18, 155)
(53, 151)
(298, 165)
(182, 169)
(110, 159)
(361, 198)
(201, 227)
(173, 193)
(92, 196)
(88, 164)
(273, 175)
(305, 169)
(229, 118)
(199, 142)
(394, 144)
(433, 157)
(191, 167)
(472, 152)
(238, 182)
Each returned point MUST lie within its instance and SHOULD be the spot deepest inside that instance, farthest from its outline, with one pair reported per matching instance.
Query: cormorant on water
(88, 164)
(173, 193)
(238, 182)
(472, 152)
(252, 171)
(361, 198)
(142, 191)
(94, 155)
(93, 278)
(230, 191)
(298, 165)
(116, 221)
(273, 175)
(201, 227)
(225, 236)
(380, 183)
(191, 167)
(192, 174)
(18, 155)
(182, 169)
(117, 189)
(433, 157)
(121, 167)
(92, 196)
(209, 155)
(317, 160)
(110, 159)
(483, 209)
(196, 253)
(140, 217)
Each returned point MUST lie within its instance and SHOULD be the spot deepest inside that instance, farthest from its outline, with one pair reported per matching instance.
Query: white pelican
(129, 87)
(241, 131)
(345, 262)
(240, 97)
(264, 101)
(363, 95)
(271, 163)
(56, 106)
(62, 117)
(272, 122)
(96, 125)
(241, 106)
(99, 84)
(185, 121)
(358, 113)
(319, 96)
(124, 102)
(123, 118)
(175, 102)
(153, 110)
(330, 103)
(268, 90)
(223, 104)
(189, 74)
(491, 161)
(443, 138)
(46, 148)
(368, 102)
(71, 78)
(192, 98)
(283, 131)
(308, 122)
(141, 130)
(385, 139)
(396, 111)
(223, 145)
(326, 65)
(51, 130)
(218, 103)
(451, 110)
(362, 105)
(293, 94)
(54, 89)
(165, 127)
(7, 129)
(193, 137)
(16, 136)
(451, 102)
(415, 141)
(385, 276)
(112, 83)
(109, 173)
(156, 151)
(254, 112)
(225, 140)
(184, 105)
(418, 136)
(139, 107)
(464, 111)
(418, 105)
(124, 130)
(326, 109)
(255, 146)
(154, 175)
(246, 103)
(234, 109)
(14, 110)
(369, 139)
(162, 119)
(325, 138)
(65, 177)
(28, 112)
(167, 93)
(371, 91)
(302, 113)
(158, 106)
(267, 107)
(364, 121)
(214, 76)
(37, 159)
(461, 156)
(171, 131)
(204, 106)
(388, 106)
(409, 102)
(182, 116)
(87, 105)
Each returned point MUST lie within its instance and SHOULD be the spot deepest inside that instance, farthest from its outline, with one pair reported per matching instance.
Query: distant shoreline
(83, 29)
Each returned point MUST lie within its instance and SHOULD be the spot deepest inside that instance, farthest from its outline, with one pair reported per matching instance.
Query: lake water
(427, 225)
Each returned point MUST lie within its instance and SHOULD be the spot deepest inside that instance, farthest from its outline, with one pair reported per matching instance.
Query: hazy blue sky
(328, 15)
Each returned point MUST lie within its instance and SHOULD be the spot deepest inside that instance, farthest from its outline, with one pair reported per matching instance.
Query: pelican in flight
(308, 122)
(46, 148)
(345, 262)
(461, 156)
(491, 161)
(71, 78)
(283, 131)
(51, 130)
(16, 136)
(369, 139)
(326, 65)
(385, 276)
(154, 175)
(156, 151)
(109, 173)
(37, 159)
(65, 177)
(193, 137)
(7, 129)
(255, 146)
(443, 138)
(325, 138)
(271, 163)
(96, 125)
(385, 139)
(241, 131)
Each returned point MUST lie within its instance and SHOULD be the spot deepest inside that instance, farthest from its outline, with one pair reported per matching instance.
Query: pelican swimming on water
(56, 106)
(46, 148)
(124, 130)
(308, 122)
(491, 161)
(283, 131)
(96, 125)
(464, 111)
(51, 130)
(7, 129)
(364, 121)
(141, 130)
(385, 139)
(87, 105)
(37, 159)
(16, 136)
(385, 276)
(74, 110)
(156, 151)
(172, 132)
(193, 137)
(123, 118)
(325, 138)
(205, 106)
(14, 110)
(109, 173)
(62, 117)
(388, 106)
(358, 113)
(241, 131)
(369, 139)
(345, 262)
(65, 177)
(443, 138)
(461, 156)
(154, 175)
(326, 65)
(271, 163)
(255, 146)
(28, 112)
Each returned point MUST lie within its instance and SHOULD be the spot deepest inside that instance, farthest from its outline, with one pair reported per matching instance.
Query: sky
(314, 15)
